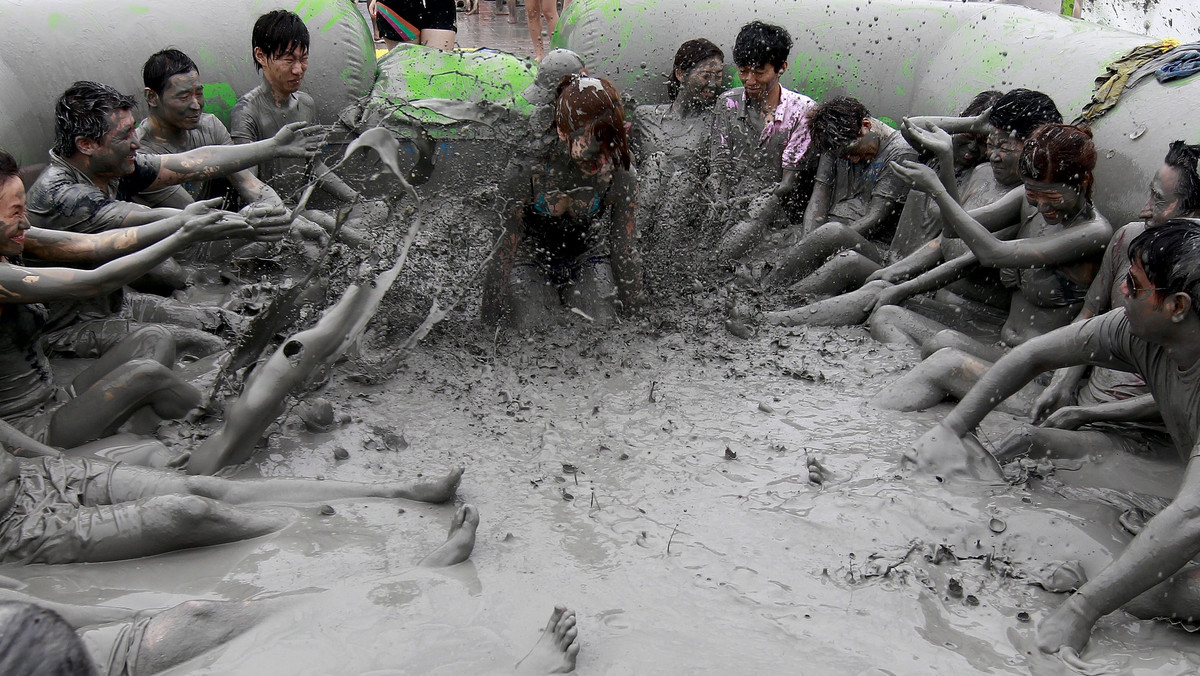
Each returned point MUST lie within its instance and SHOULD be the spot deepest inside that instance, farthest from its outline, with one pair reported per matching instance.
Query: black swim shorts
(403, 20)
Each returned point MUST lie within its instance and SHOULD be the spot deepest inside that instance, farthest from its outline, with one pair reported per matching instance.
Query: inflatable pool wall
(909, 57)
(45, 46)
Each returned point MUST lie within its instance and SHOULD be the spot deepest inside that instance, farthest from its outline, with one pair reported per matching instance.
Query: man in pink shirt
(760, 135)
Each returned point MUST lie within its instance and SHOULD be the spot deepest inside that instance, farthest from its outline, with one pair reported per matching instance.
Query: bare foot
(435, 492)
(459, 542)
(818, 473)
(556, 650)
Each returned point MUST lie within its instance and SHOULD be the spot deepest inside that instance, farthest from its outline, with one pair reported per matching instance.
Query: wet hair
(835, 123)
(1170, 255)
(761, 43)
(162, 66)
(1060, 153)
(583, 101)
(1020, 111)
(1184, 159)
(8, 166)
(82, 112)
(278, 34)
(982, 101)
(35, 641)
(690, 54)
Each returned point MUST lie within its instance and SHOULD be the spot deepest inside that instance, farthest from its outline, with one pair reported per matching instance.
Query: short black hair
(1020, 111)
(836, 123)
(982, 101)
(37, 640)
(1184, 158)
(278, 34)
(1170, 255)
(761, 43)
(8, 166)
(162, 66)
(82, 112)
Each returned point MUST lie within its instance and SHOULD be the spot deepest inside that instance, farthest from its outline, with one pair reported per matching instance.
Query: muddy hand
(919, 176)
(818, 473)
(299, 139)
(1066, 418)
(269, 220)
(930, 137)
(942, 453)
(214, 225)
(1051, 399)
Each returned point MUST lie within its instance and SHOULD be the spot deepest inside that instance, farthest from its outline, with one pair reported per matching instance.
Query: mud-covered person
(760, 142)
(280, 45)
(856, 197)
(135, 372)
(670, 144)
(569, 239)
(94, 174)
(1157, 335)
(1047, 266)
(1077, 415)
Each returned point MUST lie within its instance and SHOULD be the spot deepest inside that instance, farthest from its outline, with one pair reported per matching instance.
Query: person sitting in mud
(94, 173)
(760, 141)
(38, 637)
(857, 196)
(1157, 335)
(177, 123)
(1048, 264)
(555, 251)
(280, 43)
(1013, 118)
(135, 373)
(1066, 405)
(670, 145)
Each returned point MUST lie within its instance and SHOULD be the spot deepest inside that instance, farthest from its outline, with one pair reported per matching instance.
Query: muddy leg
(804, 257)
(1049, 442)
(105, 406)
(1177, 598)
(894, 324)
(963, 342)
(533, 299)
(148, 342)
(844, 310)
(192, 628)
(459, 543)
(947, 372)
(846, 271)
(557, 649)
(594, 291)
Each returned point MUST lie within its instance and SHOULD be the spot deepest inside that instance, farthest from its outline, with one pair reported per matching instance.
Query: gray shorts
(114, 647)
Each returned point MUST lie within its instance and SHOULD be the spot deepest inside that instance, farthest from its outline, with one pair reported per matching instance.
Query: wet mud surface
(656, 481)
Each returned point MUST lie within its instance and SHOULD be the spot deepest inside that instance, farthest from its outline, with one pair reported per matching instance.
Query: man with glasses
(1157, 335)
(1078, 418)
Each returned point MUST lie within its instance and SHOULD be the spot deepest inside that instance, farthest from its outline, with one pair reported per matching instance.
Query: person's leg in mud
(804, 257)
(846, 271)
(1054, 443)
(946, 373)
(962, 342)
(533, 300)
(593, 292)
(193, 628)
(101, 409)
(558, 647)
(1176, 598)
(847, 309)
(894, 324)
(146, 342)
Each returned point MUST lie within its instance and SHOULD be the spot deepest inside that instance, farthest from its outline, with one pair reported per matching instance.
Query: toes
(568, 638)
(470, 515)
(555, 617)
(459, 517)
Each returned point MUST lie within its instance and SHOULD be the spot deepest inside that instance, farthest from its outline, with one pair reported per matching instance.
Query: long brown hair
(583, 101)
(1060, 153)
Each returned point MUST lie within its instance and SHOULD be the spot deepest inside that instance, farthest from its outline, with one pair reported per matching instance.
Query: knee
(946, 338)
(146, 371)
(943, 360)
(182, 508)
(885, 316)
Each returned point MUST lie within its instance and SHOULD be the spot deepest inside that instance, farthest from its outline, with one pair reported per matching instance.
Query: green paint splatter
(138, 9)
(56, 20)
(219, 99)
(412, 72)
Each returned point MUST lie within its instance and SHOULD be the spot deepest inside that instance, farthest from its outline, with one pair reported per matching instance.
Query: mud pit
(678, 557)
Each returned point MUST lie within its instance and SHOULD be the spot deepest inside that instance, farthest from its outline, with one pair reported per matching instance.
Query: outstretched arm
(957, 125)
(297, 139)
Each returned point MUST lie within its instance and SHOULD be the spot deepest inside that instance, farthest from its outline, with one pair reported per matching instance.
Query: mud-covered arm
(294, 140)
(622, 238)
(60, 246)
(333, 184)
(940, 144)
(252, 189)
(20, 284)
(822, 195)
(954, 124)
(923, 259)
(513, 193)
(879, 211)
(1135, 409)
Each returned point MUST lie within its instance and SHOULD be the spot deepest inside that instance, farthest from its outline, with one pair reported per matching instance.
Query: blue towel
(1185, 64)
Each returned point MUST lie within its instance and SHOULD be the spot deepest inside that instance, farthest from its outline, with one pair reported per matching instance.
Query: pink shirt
(782, 143)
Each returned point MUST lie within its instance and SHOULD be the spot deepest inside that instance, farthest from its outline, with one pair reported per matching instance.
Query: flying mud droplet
(623, 456)
(1022, 616)
(997, 526)
(568, 468)
(327, 510)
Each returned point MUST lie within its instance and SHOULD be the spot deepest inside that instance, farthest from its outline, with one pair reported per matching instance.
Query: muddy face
(181, 102)
(13, 219)
(1056, 202)
(1165, 202)
(1004, 154)
(587, 153)
(760, 82)
(286, 73)
(969, 150)
(702, 84)
(113, 158)
(1144, 305)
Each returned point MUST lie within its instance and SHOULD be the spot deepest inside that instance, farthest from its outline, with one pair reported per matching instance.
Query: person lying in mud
(1068, 411)
(95, 170)
(857, 195)
(37, 637)
(135, 373)
(1048, 264)
(1013, 118)
(670, 144)
(557, 251)
(78, 510)
(279, 44)
(760, 142)
(955, 158)
(1157, 335)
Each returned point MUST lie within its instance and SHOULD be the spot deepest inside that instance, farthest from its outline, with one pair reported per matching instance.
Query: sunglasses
(1134, 291)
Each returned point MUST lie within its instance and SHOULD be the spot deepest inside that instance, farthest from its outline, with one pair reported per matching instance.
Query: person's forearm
(922, 260)
(333, 185)
(252, 190)
(144, 216)
(787, 184)
(878, 214)
(1135, 409)
(983, 243)
(211, 162)
(62, 247)
(946, 174)
(818, 206)
(940, 276)
(952, 124)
